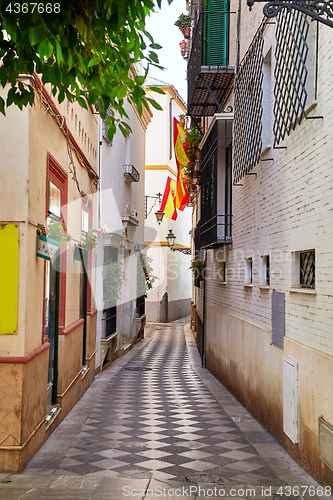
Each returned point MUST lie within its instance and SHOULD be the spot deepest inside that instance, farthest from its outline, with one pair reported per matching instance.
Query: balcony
(216, 183)
(208, 66)
(131, 174)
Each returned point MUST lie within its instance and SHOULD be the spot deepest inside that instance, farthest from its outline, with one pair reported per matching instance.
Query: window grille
(248, 109)
(290, 73)
(307, 269)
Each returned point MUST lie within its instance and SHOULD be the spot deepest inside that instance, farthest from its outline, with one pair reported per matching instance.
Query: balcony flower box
(47, 247)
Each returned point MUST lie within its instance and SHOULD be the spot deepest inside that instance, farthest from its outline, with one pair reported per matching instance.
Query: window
(307, 269)
(303, 269)
(85, 225)
(216, 182)
(295, 71)
(248, 271)
(221, 272)
(264, 270)
(54, 202)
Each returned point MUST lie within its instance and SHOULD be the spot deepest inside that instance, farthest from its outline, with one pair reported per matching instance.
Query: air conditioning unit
(134, 213)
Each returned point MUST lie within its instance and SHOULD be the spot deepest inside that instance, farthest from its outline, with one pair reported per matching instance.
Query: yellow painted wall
(9, 278)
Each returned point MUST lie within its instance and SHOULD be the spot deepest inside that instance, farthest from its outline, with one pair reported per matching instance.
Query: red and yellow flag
(179, 135)
(168, 204)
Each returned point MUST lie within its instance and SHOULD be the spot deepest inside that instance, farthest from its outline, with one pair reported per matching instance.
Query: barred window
(291, 72)
(248, 109)
(307, 269)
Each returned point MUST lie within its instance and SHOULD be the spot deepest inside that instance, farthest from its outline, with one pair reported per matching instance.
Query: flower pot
(197, 154)
(47, 247)
(182, 46)
(186, 32)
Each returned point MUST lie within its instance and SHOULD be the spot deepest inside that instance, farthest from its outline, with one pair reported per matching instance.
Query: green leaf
(80, 24)
(45, 49)
(2, 106)
(154, 104)
(92, 62)
(154, 57)
(157, 89)
(155, 46)
(60, 59)
(37, 34)
(140, 79)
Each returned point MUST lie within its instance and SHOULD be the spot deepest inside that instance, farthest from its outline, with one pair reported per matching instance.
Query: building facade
(169, 299)
(48, 170)
(262, 219)
(121, 209)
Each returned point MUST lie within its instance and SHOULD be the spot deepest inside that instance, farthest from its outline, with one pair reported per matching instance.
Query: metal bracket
(237, 184)
(229, 108)
(266, 159)
(319, 10)
(312, 117)
(251, 173)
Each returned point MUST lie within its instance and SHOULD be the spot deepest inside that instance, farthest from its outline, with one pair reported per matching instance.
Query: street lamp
(171, 244)
(159, 214)
(171, 239)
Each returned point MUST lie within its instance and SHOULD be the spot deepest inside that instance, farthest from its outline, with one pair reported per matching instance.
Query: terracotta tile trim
(28, 358)
(92, 313)
(72, 327)
(20, 447)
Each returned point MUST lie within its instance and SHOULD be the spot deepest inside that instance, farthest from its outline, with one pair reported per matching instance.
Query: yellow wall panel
(9, 272)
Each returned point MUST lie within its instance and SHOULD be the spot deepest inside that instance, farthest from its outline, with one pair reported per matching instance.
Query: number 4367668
(30, 8)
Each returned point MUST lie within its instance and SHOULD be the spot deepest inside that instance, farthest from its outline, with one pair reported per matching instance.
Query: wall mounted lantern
(171, 244)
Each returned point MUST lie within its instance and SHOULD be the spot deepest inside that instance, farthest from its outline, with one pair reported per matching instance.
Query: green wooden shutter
(216, 34)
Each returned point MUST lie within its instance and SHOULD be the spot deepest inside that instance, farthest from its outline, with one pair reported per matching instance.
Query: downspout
(203, 355)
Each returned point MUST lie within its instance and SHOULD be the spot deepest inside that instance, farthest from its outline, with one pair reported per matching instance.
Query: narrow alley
(155, 424)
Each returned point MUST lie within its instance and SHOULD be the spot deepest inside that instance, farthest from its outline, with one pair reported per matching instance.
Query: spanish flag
(169, 199)
(179, 135)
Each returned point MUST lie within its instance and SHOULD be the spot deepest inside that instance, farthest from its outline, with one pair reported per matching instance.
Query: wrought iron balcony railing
(131, 172)
(208, 66)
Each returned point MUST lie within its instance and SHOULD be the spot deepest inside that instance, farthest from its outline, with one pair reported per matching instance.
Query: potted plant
(183, 23)
(197, 267)
(193, 138)
(113, 278)
(145, 277)
(182, 46)
(50, 238)
(90, 242)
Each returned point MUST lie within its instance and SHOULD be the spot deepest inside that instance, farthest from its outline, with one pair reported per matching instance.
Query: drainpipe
(203, 355)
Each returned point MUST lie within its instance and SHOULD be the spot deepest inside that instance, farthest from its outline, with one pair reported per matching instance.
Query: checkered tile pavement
(156, 415)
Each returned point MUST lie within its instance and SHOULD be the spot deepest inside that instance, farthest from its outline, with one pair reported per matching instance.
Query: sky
(161, 26)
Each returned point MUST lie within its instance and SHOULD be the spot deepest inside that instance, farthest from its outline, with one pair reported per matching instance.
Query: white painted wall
(114, 196)
(172, 268)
